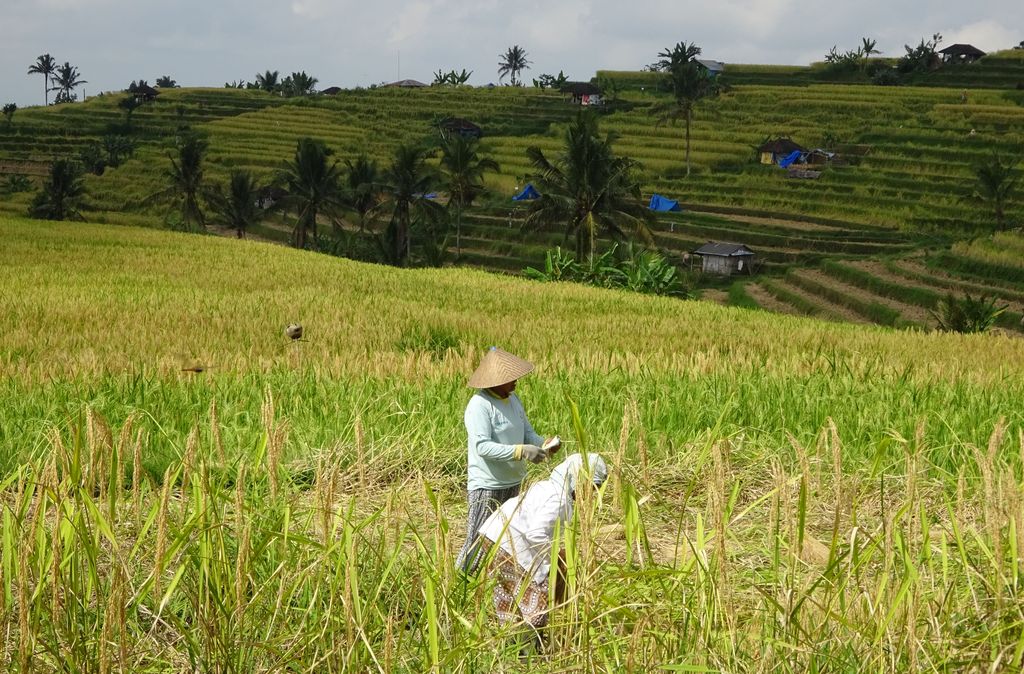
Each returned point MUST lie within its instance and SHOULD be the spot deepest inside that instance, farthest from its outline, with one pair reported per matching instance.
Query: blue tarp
(429, 195)
(660, 203)
(790, 158)
(529, 192)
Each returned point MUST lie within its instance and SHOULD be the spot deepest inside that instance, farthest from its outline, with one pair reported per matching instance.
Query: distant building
(269, 196)
(714, 68)
(774, 149)
(961, 53)
(583, 93)
(726, 259)
(331, 91)
(462, 127)
(407, 84)
(143, 92)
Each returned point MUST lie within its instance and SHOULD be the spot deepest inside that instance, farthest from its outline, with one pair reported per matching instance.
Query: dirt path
(772, 222)
(716, 296)
(768, 302)
(908, 311)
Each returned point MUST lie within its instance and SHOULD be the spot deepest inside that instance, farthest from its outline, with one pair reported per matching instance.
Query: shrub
(967, 314)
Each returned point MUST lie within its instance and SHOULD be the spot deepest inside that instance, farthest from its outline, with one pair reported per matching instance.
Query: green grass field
(787, 494)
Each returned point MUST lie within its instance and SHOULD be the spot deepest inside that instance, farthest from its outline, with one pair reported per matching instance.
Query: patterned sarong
(516, 597)
(482, 502)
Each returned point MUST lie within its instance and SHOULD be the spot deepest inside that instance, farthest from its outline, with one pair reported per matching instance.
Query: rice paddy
(787, 495)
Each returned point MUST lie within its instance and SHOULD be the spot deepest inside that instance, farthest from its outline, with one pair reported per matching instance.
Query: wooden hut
(726, 259)
(462, 127)
(331, 91)
(143, 92)
(406, 84)
(774, 149)
(714, 68)
(583, 93)
(961, 53)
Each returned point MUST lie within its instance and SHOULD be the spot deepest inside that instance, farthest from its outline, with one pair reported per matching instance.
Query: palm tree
(46, 66)
(61, 194)
(407, 182)
(186, 180)
(166, 82)
(268, 81)
(689, 82)
(512, 62)
(362, 180)
(129, 104)
(464, 171)
(997, 181)
(67, 79)
(588, 189)
(237, 208)
(314, 186)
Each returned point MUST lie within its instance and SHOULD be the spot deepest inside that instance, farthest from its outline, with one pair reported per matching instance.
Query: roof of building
(723, 249)
(581, 89)
(143, 90)
(961, 50)
(331, 91)
(713, 66)
(406, 83)
(780, 145)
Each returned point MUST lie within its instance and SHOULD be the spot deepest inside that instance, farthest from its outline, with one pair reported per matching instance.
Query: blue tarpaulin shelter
(529, 192)
(661, 204)
(790, 158)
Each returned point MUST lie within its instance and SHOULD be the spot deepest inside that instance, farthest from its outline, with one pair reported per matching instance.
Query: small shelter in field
(528, 194)
(462, 127)
(331, 91)
(407, 84)
(583, 93)
(961, 53)
(143, 92)
(774, 149)
(269, 195)
(663, 205)
(714, 68)
(726, 259)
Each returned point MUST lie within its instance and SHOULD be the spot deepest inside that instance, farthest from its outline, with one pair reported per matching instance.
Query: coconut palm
(314, 185)
(46, 66)
(689, 83)
(463, 171)
(406, 185)
(185, 178)
(166, 82)
(997, 181)
(66, 79)
(62, 193)
(512, 62)
(588, 190)
(362, 178)
(268, 81)
(237, 208)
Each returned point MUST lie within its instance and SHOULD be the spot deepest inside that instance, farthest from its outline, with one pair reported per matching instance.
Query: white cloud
(985, 35)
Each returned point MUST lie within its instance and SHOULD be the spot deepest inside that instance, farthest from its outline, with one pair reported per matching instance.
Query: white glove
(531, 453)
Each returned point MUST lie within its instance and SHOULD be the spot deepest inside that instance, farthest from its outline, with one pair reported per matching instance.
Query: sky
(347, 43)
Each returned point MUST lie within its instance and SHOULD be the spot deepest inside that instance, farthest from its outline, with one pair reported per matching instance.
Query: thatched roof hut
(463, 127)
(961, 53)
(774, 149)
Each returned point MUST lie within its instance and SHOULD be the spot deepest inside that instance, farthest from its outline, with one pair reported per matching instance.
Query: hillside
(165, 450)
(896, 193)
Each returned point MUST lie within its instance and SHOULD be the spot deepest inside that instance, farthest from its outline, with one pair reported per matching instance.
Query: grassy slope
(103, 318)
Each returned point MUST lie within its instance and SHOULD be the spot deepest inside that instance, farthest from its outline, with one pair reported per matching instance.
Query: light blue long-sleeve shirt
(495, 426)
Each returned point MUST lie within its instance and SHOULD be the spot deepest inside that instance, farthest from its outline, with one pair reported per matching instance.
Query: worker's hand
(531, 453)
(552, 445)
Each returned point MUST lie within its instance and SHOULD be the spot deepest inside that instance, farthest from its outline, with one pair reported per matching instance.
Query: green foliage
(268, 81)
(66, 79)
(922, 58)
(637, 270)
(185, 180)
(406, 184)
(967, 314)
(9, 109)
(463, 174)
(298, 84)
(16, 183)
(363, 189)
(61, 195)
(739, 297)
(546, 81)
(314, 184)
(237, 208)
(452, 78)
(587, 189)
(436, 341)
(166, 82)
(997, 182)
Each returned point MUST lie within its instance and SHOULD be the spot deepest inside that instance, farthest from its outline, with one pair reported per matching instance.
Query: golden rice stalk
(215, 435)
(161, 535)
(360, 451)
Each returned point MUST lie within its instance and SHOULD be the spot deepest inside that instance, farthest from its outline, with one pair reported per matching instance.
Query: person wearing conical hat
(500, 442)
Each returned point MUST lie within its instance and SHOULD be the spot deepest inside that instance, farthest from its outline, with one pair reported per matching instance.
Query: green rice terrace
(882, 235)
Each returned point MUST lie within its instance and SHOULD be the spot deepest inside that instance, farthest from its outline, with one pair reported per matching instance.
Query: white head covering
(566, 473)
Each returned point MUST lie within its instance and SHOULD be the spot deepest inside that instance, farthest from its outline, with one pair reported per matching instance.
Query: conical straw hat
(499, 367)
